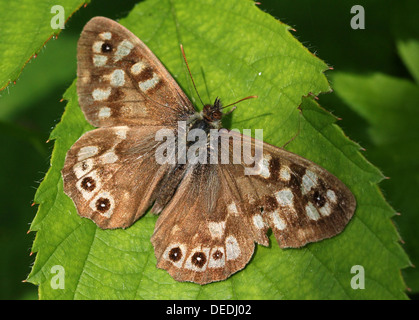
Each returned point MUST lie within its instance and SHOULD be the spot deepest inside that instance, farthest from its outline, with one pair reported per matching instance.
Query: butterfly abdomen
(169, 185)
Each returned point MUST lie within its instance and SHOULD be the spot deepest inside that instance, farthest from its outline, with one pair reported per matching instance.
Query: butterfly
(211, 214)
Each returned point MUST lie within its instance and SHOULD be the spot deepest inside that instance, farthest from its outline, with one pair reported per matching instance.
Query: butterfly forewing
(121, 82)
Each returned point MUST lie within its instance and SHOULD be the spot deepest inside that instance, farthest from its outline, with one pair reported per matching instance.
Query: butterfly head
(212, 112)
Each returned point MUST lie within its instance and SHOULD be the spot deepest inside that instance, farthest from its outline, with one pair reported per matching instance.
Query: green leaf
(25, 28)
(406, 30)
(409, 50)
(241, 52)
(326, 29)
(389, 105)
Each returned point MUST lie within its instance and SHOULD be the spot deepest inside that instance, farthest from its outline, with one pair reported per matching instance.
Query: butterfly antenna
(249, 97)
(190, 74)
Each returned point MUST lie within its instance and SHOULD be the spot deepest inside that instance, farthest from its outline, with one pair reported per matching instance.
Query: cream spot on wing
(232, 209)
(104, 113)
(87, 152)
(126, 196)
(109, 157)
(217, 229)
(175, 229)
(85, 77)
(305, 233)
(325, 210)
(312, 212)
(277, 221)
(150, 83)
(118, 78)
(258, 221)
(99, 60)
(106, 35)
(175, 253)
(309, 181)
(137, 68)
(124, 49)
(97, 46)
(232, 248)
(127, 109)
(100, 94)
(121, 132)
(285, 197)
(83, 167)
(285, 173)
(250, 199)
(264, 166)
(331, 195)
(217, 258)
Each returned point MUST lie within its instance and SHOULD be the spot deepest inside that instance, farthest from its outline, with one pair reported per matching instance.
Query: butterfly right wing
(209, 229)
(299, 200)
(121, 82)
(112, 176)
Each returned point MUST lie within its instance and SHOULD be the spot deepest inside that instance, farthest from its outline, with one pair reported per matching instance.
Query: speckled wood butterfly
(211, 214)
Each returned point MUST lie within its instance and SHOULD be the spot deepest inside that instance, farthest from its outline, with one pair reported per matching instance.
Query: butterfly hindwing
(112, 176)
(299, 200)
(201, 235)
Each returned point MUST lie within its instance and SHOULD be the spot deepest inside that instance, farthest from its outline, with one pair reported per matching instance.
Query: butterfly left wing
(112, 176)
(121, 82)
(110, 173)
(209, 229)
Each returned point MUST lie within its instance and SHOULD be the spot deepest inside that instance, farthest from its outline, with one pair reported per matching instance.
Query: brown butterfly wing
(299, 200)
(296, 216)
(121, 82)
(220, 211)
(111, 173)
(201, 235)
(112, 176)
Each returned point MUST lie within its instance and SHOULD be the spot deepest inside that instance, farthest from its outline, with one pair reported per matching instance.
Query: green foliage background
(376, 92)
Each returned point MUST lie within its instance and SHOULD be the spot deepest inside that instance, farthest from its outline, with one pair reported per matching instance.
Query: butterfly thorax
(209, 118)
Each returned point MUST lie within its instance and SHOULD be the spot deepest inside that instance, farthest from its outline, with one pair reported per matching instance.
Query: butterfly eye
(106, 47)
(217, 115)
